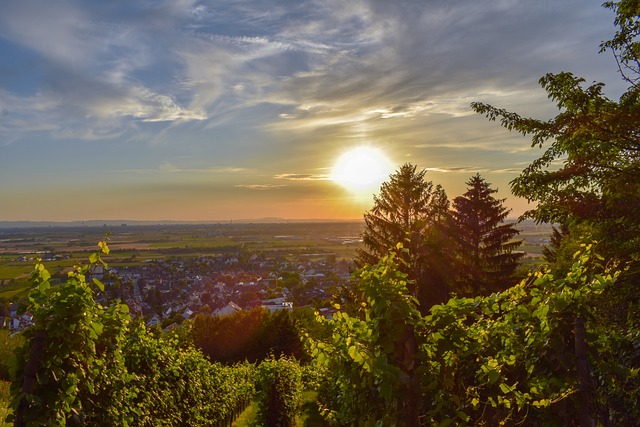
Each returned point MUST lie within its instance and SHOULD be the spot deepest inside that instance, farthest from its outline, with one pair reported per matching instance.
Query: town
(168, 273)
(215, 269)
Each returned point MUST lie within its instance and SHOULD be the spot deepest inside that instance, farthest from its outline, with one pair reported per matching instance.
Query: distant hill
(124, 222)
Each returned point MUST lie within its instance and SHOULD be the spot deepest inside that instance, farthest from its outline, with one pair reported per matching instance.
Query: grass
(309, 415)
(4, 402)
(196, 243)
(531, 249)
(11, 270)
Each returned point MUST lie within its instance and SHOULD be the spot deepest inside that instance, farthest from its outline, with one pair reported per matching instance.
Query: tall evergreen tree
(485, 247)
(412, 211)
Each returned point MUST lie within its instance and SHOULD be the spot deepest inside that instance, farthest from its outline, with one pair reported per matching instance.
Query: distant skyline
(191, 110)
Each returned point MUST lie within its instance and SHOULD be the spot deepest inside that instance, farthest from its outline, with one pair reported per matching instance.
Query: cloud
(260, 187)
(302, 177)
(324, 64)
(472, 169)
(168, 167)
(88, 71)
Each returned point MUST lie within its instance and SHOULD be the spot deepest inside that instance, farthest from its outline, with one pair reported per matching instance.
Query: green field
(135, 245)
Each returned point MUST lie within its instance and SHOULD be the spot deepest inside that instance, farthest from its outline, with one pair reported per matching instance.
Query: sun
(362, 169)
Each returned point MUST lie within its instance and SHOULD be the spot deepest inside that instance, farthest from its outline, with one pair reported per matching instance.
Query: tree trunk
(29, 376)
(584, 380)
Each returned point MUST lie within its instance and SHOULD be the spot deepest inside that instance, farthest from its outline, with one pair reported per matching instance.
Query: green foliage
(485, 257)
(279, 392)
(84, 364)
(280, 335)
(370, 356)
(625, 45)
(8, 344)
(174, 386)
(5, 401)
(228, 338)
(509, 358)
(313, 374)
(59, 362)
(248, 335)
(589, 171)
(589, 179)
(504, 359)
(617, 378)
(412, 211)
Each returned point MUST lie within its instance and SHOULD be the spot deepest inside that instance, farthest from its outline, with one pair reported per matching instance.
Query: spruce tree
(486, 261)
(558, 235)
(412, 211)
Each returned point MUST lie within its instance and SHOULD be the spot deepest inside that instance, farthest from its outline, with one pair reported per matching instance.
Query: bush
(514, 357)
(175, 386)
(8, 343)
(370, 355)
(279, 392)
(85, 364)
(5, 401)
(247, 335)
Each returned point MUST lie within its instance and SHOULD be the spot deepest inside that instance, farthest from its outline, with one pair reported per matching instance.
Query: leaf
(103, 247)
(98, 327)
(357, 357)
(93, 258)
(99, 284)
(542, 403)
(493, 376)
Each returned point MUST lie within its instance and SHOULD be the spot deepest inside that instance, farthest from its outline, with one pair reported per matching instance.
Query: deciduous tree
(590, 170)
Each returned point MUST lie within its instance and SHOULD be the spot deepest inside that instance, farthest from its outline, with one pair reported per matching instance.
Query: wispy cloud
(225, 95)
(169, 167)
(260, 187)
(302, 177)
(469, 169)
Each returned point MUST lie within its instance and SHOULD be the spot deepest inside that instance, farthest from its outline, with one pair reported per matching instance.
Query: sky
(221, 110)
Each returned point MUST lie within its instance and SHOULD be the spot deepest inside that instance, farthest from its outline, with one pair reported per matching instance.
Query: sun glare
(362, 169)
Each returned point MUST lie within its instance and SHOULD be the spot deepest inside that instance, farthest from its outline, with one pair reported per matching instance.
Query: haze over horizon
(210, 111)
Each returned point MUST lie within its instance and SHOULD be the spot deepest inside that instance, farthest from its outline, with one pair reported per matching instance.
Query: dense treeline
(250, 335)
(467, 248)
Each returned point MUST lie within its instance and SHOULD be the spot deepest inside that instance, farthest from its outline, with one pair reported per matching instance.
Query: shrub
(84, 364)
(279, 392)
(8, 344)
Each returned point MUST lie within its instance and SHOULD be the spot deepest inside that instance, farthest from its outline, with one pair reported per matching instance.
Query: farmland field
(63, 247)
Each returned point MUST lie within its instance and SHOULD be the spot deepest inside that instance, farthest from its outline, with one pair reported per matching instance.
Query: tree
(596, 142)
(564, 242)
(551, 252)
(624, 44)
(485, 247)
(411, 211)
(371, 357)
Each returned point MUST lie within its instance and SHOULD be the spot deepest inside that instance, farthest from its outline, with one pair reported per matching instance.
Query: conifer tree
(486, 261)
(412, 211)
(558, 235)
